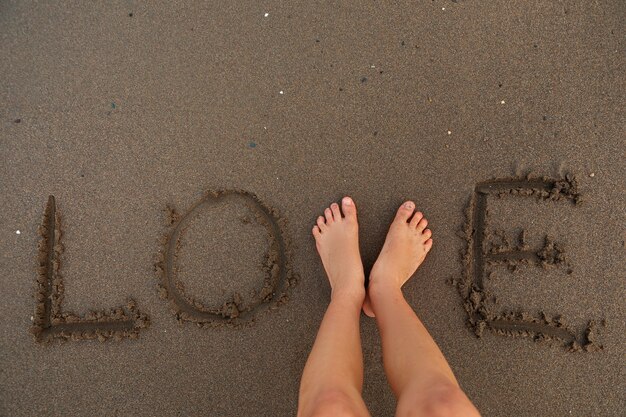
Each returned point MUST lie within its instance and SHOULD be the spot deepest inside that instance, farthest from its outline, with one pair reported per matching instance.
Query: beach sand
(132, 114)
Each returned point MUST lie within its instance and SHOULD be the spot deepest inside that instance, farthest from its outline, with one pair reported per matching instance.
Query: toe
(428, 244)
(329, 216)
(348, 208)
(336, 213)
(427, 233)
(321, 223)
(416, 218)
(421, 225)
(405, 211)
(316, 232)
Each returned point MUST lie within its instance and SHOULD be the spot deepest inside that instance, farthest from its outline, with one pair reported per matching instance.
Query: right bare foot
(407, 243)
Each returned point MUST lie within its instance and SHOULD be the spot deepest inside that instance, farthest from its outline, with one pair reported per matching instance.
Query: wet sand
(137, 290)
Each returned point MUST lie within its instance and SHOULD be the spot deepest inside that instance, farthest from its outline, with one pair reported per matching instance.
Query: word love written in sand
(51, 322)
(481, 255)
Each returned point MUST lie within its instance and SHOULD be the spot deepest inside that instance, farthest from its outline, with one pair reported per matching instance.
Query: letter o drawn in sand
(233, 311)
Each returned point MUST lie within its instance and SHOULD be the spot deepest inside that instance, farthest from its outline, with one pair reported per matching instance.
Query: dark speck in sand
(545, 118)
(364, 80)
(375, 132)
(500, 85)
(252, 145)
(402, 43)
(113, 105)
(380, 72)
(317, 41)
(340, 89)
(17, 121)
(535, 45)
(130, 14)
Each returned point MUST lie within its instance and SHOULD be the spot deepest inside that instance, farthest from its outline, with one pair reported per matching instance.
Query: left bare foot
(337, 241)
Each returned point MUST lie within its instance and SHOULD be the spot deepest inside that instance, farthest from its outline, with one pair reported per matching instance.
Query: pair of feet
(337, 241)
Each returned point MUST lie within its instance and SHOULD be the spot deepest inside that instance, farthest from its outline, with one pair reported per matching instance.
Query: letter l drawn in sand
(49, 321)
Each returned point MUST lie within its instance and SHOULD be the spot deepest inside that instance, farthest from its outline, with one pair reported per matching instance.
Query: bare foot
(337, 241)
(407, 243)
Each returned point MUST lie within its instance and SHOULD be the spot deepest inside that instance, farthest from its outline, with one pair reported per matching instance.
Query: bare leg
(417, 371)
(333, 375)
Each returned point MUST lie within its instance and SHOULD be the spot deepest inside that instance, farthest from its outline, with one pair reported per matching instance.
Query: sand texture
(162, 164)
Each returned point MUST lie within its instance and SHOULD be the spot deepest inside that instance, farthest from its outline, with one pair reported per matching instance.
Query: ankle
(348, 296)
(383, 282)
(383, 288)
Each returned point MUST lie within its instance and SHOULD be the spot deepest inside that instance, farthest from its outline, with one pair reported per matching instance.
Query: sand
(188, 149)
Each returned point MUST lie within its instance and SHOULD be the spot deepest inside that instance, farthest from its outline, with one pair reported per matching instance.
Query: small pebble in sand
(17, 232)
(449, 132)
(281, 92)
(266, 14)
(592, 174)
(372, 66)
(502, 102)
(32, 318)
(443, 8)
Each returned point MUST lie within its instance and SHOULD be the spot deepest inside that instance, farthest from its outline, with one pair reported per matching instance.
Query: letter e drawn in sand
(49, 321)
(235, 311)
(477, 259)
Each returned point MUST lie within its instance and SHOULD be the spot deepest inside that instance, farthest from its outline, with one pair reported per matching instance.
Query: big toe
(348, 208)
(405, 211)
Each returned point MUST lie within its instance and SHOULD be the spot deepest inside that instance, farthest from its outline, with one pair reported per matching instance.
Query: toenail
(347, 201)
(409, 205)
